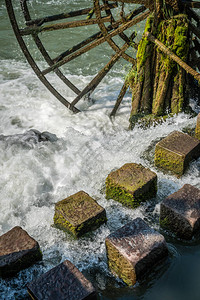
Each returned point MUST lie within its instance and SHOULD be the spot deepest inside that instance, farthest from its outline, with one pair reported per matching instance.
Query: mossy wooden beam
(173, 56)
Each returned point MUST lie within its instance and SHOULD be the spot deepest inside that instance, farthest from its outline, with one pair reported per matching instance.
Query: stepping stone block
(180, 212)
(131, 184)
(197, 129)
(64, 282)
(133, 250)
(17, 251)
(79, 214)
(175, 152)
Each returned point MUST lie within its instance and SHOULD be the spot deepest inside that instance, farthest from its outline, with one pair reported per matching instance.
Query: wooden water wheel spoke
(96, 43)
(194, 15)
(108, 37)
(44, 52)
(194, 29)
(119, 99)
(98, 78)
(192, 4)
(59, 26)
(99, 34)
(66, 15)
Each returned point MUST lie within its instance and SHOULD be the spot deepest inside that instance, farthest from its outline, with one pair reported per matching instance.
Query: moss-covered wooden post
(158, 83)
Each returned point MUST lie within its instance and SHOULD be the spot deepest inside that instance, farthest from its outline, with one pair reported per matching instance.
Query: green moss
(81, 229)
(146, 121)
(169, 160)
(173, 34)
(130, 199)
(119, 265)
(142, 54)
(164, 222)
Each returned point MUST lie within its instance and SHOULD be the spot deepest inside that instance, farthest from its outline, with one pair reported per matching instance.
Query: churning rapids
(79, 152)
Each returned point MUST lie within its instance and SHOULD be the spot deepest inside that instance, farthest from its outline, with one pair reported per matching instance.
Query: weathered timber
(134, 250)
(119, 98)
(79, 214)
(65, 15)
(180, 212)
(175, 152)
(96, 43)
(131, 184)
(58, 26)
(179, 61)
(17, 251)
(197, 128)
(98, 35)
(98, 78)
(64, 282)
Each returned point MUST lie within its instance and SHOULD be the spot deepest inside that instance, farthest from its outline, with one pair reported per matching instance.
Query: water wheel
(113, 18)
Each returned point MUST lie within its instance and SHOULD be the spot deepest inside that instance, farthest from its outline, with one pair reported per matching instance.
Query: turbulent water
(77, 153)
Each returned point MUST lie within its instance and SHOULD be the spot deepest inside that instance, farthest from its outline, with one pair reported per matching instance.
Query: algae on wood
(159, 85)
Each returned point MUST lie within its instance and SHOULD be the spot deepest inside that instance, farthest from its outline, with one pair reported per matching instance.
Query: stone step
(17, 251)
(180, 212)
(63, 282)
(175, 152)
(133, 250)
(131, 184)
(79, 214)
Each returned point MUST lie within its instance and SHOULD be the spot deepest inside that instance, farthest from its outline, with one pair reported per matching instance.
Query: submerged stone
(131, 184)
(17, 251)
(133, 250)
(175, 152)
(64, 282)
(197, 129)
(79, 214)
(180, 212)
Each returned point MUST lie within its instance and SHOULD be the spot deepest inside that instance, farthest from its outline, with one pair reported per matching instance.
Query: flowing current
(81, 150)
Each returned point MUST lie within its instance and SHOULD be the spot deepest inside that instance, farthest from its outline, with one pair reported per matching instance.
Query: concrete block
(17, 251)
(64, 282)
(79, 214)
(133, 250)
(131, 184)
(180, 212)
(175, 152)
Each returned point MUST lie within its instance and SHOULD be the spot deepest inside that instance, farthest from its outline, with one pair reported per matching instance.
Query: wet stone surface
(175, 152)
(64, 282)
(17, 251)
(133, 250)
(131, 184)
(79, 214)
(180, 212)
(197, 129)
(29, 138)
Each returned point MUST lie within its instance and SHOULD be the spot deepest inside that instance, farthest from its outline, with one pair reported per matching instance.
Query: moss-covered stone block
(131, 184)
(197, 129)
(133, 250)
(175, 152)
(17, 251)
(180, 212)
(79, 214)
(64, 282)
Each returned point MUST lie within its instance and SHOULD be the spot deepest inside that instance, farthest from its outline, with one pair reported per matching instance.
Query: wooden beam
(173, 56)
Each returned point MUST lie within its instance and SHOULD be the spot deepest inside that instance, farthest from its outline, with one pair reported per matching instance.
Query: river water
(89, 145)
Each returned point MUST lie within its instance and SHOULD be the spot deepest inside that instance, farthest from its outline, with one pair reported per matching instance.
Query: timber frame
(100, 13)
